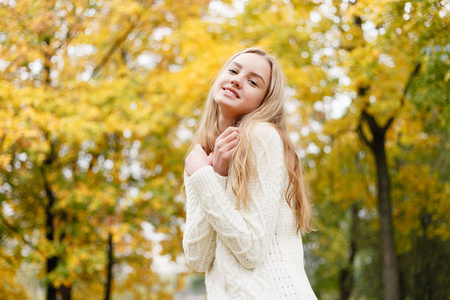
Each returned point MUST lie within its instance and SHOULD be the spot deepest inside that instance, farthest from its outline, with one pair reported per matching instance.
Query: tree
(81, 160)
(334, 50)
(380, 90)
(101, 99)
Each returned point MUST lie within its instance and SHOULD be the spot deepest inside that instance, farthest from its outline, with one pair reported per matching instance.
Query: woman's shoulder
(264, 130)
(264, 133)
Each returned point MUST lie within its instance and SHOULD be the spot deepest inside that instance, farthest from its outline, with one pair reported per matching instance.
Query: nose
(236, 82)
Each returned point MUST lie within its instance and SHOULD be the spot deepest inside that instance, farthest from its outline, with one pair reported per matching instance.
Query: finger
(226, 156)
(226, 139)
(228, 131)
(230, 145)
(231, 152)
(222, 147)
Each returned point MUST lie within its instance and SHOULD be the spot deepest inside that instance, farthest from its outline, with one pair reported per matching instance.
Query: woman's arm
(246, 232)
(199, 238)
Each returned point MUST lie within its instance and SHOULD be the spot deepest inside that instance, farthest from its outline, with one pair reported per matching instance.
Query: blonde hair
(271, 111)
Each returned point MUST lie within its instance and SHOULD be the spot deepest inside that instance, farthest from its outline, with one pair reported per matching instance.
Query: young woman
(246, 202)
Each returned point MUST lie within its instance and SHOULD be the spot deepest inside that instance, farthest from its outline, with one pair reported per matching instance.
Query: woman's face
(242, 86)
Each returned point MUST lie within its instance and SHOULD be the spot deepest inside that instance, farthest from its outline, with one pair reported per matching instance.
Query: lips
(231, 92)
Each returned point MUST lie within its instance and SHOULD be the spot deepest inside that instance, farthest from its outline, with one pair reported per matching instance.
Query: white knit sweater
(246, 254)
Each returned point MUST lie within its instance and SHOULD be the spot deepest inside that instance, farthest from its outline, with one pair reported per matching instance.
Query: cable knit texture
(246, 254)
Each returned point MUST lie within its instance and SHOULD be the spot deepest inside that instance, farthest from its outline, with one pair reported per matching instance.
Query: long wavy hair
(270, 111)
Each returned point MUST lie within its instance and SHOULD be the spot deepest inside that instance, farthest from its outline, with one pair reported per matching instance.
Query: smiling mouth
(230, 92)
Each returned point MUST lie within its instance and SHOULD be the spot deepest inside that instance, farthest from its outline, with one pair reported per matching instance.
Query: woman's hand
(224, 148)
(196, 160)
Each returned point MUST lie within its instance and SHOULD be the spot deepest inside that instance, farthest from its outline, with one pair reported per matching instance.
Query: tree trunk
(391, 274)
(109, 278)
(52, 262)
(50, 235)
(346, 277)
(51, 290)
(391, 278)
(66, 292)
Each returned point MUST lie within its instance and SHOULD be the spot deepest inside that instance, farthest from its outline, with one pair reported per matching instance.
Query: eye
(232, 71)
(254, 83)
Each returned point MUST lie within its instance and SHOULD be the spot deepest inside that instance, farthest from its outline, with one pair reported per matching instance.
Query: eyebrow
(252, 73)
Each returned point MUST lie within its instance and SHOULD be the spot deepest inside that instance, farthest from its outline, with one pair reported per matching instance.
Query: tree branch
(388, 124)
(15, 230)
(410, 79)
(115, 46)
(402, 100)
(374, 127)
(363, 136)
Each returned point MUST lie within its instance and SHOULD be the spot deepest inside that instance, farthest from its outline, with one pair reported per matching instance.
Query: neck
(224, 123)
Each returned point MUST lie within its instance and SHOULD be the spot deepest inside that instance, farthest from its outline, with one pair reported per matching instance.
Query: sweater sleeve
(247, 232)
(199, 238)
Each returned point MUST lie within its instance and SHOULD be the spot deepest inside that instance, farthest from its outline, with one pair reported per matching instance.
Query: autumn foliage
(99, 100)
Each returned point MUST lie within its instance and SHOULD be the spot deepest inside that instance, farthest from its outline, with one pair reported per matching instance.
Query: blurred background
(99, 100)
